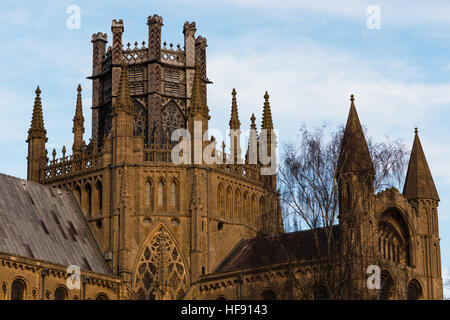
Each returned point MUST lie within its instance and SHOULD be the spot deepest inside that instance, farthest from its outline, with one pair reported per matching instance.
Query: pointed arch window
(161, 193)
(18, 290)
(149, 194)
(174, 193)
(161, 271)
(220, 200)
(98, 199)
(237, 204)
(254, 209)
(229, 202)
(88, 204)
(61, 293)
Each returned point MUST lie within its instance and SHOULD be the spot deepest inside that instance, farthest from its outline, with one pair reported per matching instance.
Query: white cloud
(309, 83)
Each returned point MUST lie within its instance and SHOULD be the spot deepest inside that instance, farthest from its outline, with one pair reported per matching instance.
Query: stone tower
(421, 193)
(161, 225)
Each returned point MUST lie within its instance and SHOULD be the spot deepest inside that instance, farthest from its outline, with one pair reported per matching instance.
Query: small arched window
(269, 295)
(414, 290)
(229, 203)
(88, 205)
(149, 194)
(61, 293)
(99, 190)
(174, 194)
(387, 286)
(253, 211)
(237, 204)
(102, 296)
(220, 200)
(161, 194)
(18, 290)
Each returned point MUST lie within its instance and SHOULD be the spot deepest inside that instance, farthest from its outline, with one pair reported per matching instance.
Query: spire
(78, 120)
(37, 129)
(234, 121)
(253, 124)
(123, 101)
(354, 155)
(252, 138)
(267, 114)
(419, 182)
(198, 101)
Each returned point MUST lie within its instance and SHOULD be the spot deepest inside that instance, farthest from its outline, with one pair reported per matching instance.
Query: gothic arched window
(161, 193)
(161, 272)
(61, 293)
(149, 194)
(245, 205)
(18, 290)
(387, 286)
(414, 290)
(140, 120)
(99, 198)
(220, 200)
(393, 241)
(254, 213)
(172, 118)
(102, 296)
(237, 204)
(88, 204)
(229, 204)
(174, 194)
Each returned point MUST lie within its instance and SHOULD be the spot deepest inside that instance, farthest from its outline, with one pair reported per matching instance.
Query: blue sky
(310, 56)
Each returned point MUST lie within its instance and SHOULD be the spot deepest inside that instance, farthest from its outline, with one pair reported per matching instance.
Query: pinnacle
(37, 129)
(123, 101)
(419, 182)
(267, 114)
(252, 119)
(354, 155)
(234, 121)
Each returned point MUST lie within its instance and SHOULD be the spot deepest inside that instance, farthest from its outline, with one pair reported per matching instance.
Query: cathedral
(119, 218)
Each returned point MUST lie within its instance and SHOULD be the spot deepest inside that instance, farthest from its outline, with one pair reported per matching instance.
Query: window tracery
(161, 273)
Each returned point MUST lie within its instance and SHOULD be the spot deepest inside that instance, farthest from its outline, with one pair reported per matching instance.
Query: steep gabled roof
(272, 250)
(46, 224)
(419, 182)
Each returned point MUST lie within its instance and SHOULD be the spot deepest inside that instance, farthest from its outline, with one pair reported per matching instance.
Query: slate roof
(44, 223)
(276, 249)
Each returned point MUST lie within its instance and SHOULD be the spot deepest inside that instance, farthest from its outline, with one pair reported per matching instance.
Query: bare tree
(310, 193)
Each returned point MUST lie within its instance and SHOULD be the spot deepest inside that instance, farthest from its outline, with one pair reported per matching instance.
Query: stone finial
(234, 121)
(267, 114)
(37, 129)
(253, 119)
(78, 120)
